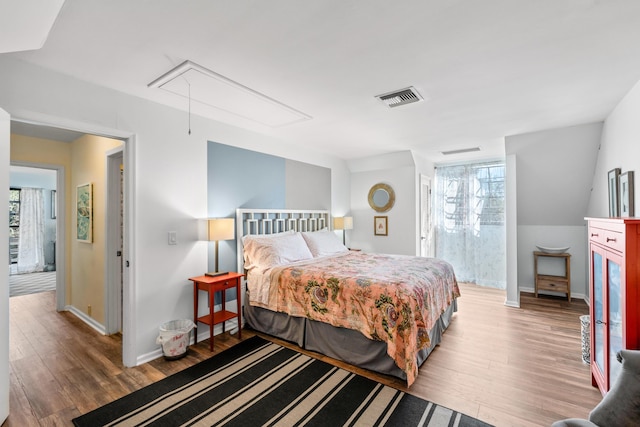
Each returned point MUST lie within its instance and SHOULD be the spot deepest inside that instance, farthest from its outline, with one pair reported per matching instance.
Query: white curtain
(470, 231)
(31, 237)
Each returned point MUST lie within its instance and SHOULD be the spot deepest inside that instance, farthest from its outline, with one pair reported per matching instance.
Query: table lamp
(343, 223)
(220, 229)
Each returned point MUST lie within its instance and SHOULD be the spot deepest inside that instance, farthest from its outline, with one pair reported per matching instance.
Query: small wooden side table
(546, 282)
(213, 285)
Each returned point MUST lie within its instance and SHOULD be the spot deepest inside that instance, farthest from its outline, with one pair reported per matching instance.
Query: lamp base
(217, 273)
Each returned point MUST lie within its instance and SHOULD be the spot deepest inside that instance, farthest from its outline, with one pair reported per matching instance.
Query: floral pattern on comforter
(391, 298)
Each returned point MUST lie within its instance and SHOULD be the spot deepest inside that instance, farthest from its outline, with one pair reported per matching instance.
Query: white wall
(553, 236)
(511, 230)
(555, 171)
(398, 171)
(619, 148)
(554, 176)
(167, 180)
(4, 269)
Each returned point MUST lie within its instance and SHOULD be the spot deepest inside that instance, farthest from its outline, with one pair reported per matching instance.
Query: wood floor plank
(20, 407)
(45, 394)
(506, 366)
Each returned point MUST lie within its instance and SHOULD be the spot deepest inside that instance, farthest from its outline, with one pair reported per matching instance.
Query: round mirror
(381, 197)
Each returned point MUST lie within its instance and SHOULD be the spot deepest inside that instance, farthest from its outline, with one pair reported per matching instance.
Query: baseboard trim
(86, 319)
(514, 304)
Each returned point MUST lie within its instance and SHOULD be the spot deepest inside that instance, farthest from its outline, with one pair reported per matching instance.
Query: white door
(425, 216)
(4, 267)
(114, 232)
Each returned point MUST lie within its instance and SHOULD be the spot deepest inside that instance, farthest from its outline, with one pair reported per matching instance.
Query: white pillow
(324, 242)
(265, 236)
(271, 250)
(252, 244)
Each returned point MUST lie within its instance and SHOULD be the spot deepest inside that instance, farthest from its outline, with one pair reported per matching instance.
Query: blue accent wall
(239, 178)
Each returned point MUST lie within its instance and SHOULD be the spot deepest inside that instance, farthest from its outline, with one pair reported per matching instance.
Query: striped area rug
(258, 383)
(31, 283)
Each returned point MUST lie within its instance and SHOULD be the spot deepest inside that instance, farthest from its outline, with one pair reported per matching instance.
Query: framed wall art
(84, 213)
(614, 192)
(380, 225)
(625, 185)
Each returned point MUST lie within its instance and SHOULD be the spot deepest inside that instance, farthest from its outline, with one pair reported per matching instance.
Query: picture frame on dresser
(614, 193)
(625, 185)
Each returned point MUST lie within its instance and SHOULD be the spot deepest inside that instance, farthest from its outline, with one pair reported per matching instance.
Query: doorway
(426, 244)
(43, 131)
(33, 231)
(114, 279)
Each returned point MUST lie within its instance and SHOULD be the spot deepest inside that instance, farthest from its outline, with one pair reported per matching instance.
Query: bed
(385, 313)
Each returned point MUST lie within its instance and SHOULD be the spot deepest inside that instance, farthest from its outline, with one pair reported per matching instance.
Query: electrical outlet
(173, 238)
(89, 310)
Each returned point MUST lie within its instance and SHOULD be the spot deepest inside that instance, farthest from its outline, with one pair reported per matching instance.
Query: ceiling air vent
(400, 97)
(461, 151)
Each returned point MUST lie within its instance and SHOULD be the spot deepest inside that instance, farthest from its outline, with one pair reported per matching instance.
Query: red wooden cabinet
(614, 278)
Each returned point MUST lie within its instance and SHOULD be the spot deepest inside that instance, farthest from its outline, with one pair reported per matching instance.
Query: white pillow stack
(270, 250)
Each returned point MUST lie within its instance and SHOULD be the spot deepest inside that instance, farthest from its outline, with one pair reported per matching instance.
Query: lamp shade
(343, 223)
(348, 223)
(221, 229)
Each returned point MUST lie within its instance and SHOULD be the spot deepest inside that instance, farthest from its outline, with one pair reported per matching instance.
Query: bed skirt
(343, 344)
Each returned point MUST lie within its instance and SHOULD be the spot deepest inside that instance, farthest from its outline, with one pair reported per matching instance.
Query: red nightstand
(212, 285)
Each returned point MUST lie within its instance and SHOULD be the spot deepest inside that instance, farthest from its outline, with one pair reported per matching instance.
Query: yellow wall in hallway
(88, 165)
(54, 153)
(84, 161)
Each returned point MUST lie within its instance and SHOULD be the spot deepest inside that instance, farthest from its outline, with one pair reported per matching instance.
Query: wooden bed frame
(343, 344)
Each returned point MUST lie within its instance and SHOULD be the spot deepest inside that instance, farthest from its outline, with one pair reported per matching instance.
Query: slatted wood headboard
(269, 221)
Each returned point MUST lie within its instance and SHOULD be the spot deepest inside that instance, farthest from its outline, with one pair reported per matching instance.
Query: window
(490, 194)
(14, 224)
(472, 195)
(470, 221)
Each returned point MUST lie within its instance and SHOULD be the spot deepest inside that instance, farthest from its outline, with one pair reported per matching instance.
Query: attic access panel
(213, 90)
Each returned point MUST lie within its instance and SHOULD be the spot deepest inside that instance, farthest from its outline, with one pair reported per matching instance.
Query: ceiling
(44, 132)
(26, 25)
(485, 69)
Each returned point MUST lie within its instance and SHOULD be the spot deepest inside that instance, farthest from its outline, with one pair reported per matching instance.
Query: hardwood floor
(505, 366)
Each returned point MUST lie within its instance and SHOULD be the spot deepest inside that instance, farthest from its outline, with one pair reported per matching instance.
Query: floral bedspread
(391, 298)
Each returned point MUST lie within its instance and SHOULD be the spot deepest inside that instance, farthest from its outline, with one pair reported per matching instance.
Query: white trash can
(174, 338)
(585, 332)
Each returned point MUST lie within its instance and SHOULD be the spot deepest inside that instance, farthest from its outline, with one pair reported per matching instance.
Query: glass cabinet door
(598, 312)
(615, 318)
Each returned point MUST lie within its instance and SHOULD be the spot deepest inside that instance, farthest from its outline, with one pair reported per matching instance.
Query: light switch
(173, 238)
